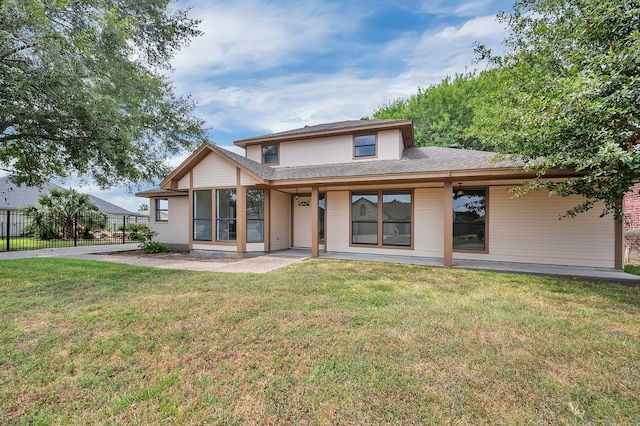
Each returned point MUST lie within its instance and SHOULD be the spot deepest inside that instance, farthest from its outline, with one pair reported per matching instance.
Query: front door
(302, 222)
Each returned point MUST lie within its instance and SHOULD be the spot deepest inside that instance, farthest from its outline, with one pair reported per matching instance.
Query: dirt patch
(179, 256)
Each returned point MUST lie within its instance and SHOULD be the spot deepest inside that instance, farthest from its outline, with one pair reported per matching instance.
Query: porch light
(460, 191)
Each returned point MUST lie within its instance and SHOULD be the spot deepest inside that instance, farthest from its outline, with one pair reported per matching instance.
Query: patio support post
(315, 239)
(448, 222)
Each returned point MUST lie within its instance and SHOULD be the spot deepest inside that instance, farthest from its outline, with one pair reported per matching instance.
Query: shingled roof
(414, 160)
(336, 128)
(16, 197)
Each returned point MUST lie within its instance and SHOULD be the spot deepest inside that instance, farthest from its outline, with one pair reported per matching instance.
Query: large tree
(569, 95)
(443, 113)
(84, 89)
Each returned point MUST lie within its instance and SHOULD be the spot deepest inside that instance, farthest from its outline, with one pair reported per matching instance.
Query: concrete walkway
(268, 262)
(224, 263)
(595, 274)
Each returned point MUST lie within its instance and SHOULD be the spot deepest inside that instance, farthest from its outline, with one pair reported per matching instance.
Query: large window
(364, 146)
(202, 214)
(270, 154)
(255, 215)
(390, 226)
(469, 210)
(364, 218)
(396, 218)
(162, 210)
(225, 215)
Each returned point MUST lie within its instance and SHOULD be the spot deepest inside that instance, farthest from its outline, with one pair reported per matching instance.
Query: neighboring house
(362, 186)
(18, 197)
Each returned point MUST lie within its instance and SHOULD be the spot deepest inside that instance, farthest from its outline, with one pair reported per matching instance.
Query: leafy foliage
(63, 212)
(145, 235)
(570, 96)
(84, 89)
(443, 113)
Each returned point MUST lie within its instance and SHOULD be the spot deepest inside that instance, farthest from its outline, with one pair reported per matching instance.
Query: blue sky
(268, 66)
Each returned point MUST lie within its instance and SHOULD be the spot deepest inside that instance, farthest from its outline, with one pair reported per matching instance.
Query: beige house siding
(389, 142)
(255, 246)
(213, 171)
(218, 247)
(428, 222)
(254, 152)
(280, 212)
(247, 180)
(336, 220)
(185, 182)
(335, 149)
(528, 229)
(176, 229)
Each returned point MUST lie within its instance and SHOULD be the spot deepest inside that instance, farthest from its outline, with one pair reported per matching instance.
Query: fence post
(124, 227)
(75, 230)
(8, 229)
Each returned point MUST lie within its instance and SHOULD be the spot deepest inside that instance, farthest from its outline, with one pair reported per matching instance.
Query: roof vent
(454, 145)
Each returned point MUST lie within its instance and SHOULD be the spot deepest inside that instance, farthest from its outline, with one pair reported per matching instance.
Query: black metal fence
(30, 231)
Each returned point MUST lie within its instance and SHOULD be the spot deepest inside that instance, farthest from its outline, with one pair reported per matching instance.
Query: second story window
(364, 146)
(270, 154)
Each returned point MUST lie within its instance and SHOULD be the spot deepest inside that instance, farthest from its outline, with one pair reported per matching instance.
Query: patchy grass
(632, 269)
(320, 342)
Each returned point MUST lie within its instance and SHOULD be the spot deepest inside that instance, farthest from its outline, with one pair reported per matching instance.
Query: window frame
(375, 146)
(218, 219)
(158, 210)
(259, 220)
(262, 154)
(380, 220)
(485, 250)
(194, 218)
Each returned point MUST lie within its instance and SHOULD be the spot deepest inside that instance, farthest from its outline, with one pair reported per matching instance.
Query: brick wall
(632, 208)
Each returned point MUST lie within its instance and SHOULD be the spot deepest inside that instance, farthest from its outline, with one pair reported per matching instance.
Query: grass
(33, 243)
(319, 342)
(632, 269)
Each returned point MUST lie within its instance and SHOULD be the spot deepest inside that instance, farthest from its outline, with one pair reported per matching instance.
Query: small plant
(145, 235)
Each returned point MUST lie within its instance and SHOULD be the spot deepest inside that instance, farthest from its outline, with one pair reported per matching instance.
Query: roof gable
(256, 170)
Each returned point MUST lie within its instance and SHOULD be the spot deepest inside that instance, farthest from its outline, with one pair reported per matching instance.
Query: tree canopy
(84, 89)
(569, 95)
(443, 113)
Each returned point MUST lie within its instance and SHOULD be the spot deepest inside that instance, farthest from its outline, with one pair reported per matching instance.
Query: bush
(145, 235)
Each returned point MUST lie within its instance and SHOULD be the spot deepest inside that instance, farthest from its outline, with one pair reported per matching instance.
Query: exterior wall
(632, 208)
(214, 171)
(529, 230)
(280, 228)
(428, 230)
(254, 152)
(247, 180)
(388, 143)
(330, 150)
(526, 230)
(217, 247)
(176, 230)
(185, 182)
(335, 149)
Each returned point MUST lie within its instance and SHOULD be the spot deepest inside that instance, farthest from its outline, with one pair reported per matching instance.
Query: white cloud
(250, 35)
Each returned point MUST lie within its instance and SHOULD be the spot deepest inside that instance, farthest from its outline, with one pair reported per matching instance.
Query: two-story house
(363, 186)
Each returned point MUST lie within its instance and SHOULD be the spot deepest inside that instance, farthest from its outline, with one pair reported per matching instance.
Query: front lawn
(319, 342)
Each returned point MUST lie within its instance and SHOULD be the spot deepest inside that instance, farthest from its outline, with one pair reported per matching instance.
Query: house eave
(436, 176)
(405, 126)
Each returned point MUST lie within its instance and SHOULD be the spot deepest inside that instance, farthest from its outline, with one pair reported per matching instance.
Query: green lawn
(320, 342)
